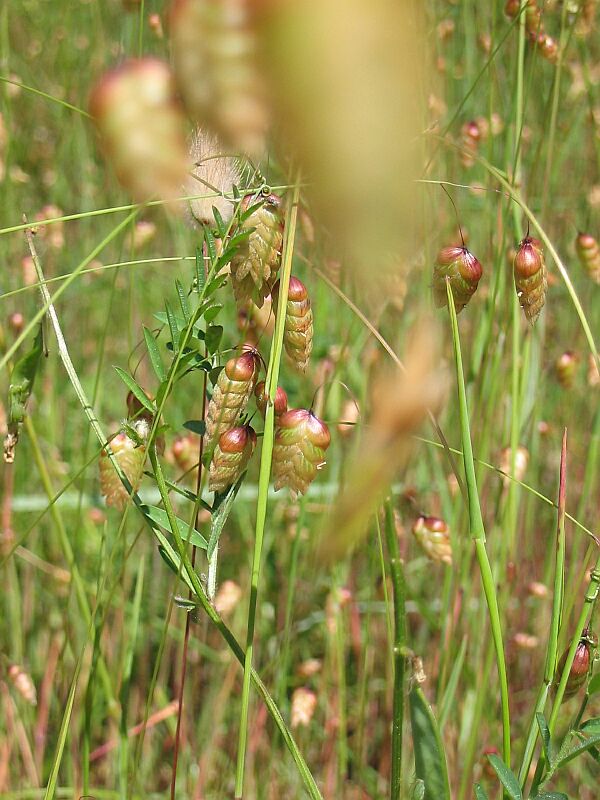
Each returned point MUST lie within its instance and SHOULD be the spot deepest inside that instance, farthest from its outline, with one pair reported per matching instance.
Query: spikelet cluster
(298, 331)
(280, 403)
(566, 367)
(215, 55)
(534, 26)
(142, 128)
(232, 392)
(254, 267)
(433, 535)
(463, 271)
(301, 440)
(230, 457)
(130, 458)
(23, 683)
(588, 252)
(530, 277)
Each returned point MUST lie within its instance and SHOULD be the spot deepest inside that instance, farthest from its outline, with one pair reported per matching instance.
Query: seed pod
(131, 460)
(462, 269)
(581, 664)
(566, 367)
(215, 54)
(255, 265)
(142, 127)
(433, 535)
(301, 440)
(530, 277)
(588, 252)
(23, 684)
(232, 393)
(470, 136)
(230, 457)
(280, 402)
(298, 331)
(548, 47)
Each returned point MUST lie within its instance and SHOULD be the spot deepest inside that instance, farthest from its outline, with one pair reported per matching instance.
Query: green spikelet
(232, 393)
(230, 457)
(255, 265)
(280, 402)
(433, 535)
(301, 440)
(589, 255)
(463, 271)
(530, 277)
(131, 460)
(298, 332)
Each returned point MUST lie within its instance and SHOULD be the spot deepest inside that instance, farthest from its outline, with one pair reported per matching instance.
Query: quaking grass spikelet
(588, 253)
(433, 535)
(232, 392)
(580, 668)
(470, 136)
(462, 269)
(230, 457)
(280, 401)
(301, 440)
(255, 265)
(298, 331)
(130, 458)
(23, 683)
(533, 15)
(566, 367)
(530, 277)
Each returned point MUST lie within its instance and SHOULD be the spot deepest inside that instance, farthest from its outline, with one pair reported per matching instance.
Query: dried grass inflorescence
(280, 402)
(588, 252)
(462, 269)
(301, 440)
(433, 535)
(130, 458)
(530, 275)
(215, 52)
(232, 392)
(212, 177)
(142, 127)
(230, 457)
(298, 331)
(255, 266)
(566, 367)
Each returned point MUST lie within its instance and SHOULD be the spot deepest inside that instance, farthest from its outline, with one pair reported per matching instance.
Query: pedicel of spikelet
(433, 535)
(254, 267)
(530, 277)
(298, 330)
(588, 253)
(230, 457)
(301, 440)
(130, 458)
(566, 366)
(23, 684)
(463, 270)
(280, 403)
(470, 136)
(231, 394)
(581, 663)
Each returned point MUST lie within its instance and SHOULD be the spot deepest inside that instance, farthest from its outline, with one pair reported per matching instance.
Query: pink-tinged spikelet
(566, 367)
(433, 535)
(232, 392)
(589, 255)
(230, 457)
(280, 403)
(301, 440)
(462, 269)
(530, 277)
(580, 668)
(131, 460)
(298, 331)
(470, 136)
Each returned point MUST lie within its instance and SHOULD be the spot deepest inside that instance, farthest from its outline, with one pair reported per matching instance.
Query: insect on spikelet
(588, 252)
(301, 440)
(462, 269)
(433, 535)
(298, 330)
(230, 457)
(280, 402)
(130, 458)
(255, 265)
(232, 392)
(530, 277)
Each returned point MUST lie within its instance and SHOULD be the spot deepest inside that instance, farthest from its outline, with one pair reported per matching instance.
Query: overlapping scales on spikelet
(530, 277)
(130, 458)
(230, 457)
(298, 331)
(301, 440)
(232, 392)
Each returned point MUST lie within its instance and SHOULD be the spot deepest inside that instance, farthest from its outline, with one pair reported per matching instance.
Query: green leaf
(214, 334)
(167, 558)
(157, 517)
(507, 777)
(580, 748)
(221, 508)
(216, 283)
(183, 300)
(211, 245)
(551, 796)
(221, 227)
(136, 389)
(173, 327)
(154, 355)
(22, 379)
(418, 792)
(183, 602)
(213, 375)
(546, 739)
(594, 684)
(430, 759)
(591, 726)
(200, 274)
(480, 793)
(195, 426)
(212, 312)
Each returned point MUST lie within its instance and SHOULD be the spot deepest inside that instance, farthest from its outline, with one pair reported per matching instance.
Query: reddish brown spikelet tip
(236, 439)
(529, 258)
(242, 368)
(511, 9)
(297, 290)
(433, 535)
(460, 267)
(585, 241)
(301, 440)
(472, 130)
(280, 403)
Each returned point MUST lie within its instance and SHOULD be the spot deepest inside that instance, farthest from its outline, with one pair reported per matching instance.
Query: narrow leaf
(545, 734)
(183, 300)
(200, 273)
(578, 750)
(136, 389)
(214, 334)
(551, 796)
(157, 516)
(480, 793)
(212, 312)
(594, 684)
(195, 426)
(507, 777)
(211, 245)
(430, 759)
(221, 227)
(221, 509)
(591, 726)
(154, 355)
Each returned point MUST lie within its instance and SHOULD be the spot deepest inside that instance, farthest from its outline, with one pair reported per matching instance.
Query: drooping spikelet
(280, 401)
(23, 683)
(230, 457)
(142, 127)
(130, 458)
(470, 136)
(298, 331)
(530, 277)
(216, 61)
(301, 440)
(255, 265)
(580, 668)
(212, 176)
(232, 392)
(566, 367)
(588, 252)
(185, 451)
(433, 535)
(533, 15)
(462, 269)
(547, 46)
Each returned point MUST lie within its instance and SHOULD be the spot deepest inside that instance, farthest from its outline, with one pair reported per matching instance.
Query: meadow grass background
(338, 615)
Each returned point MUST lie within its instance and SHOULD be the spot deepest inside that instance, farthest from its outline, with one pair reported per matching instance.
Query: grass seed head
(298, 331)
(232, 392)
(433, 535)
(581, 664)
(588, 253)
(23, 684)
(131, 461)
(301, 440)
(230, 457)
(470, 136)
(280, 402)
(463, 271)
(566, 367)
(530, 276)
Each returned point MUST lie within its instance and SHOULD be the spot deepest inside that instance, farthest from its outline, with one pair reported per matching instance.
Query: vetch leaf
(591, 726)
(551, 796)
(221, 227)
(594, 684)
(480, 793)
(212, 312)
(136, 389)
(154, 355)
(195, 426)
(545, 734)
(173, 327)
(580, 748)
(430, 759)
(200, 273)
(214, 334)
(211, 245)
(183, 300)
(507, 777)
(221, 509)
(157, 517)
